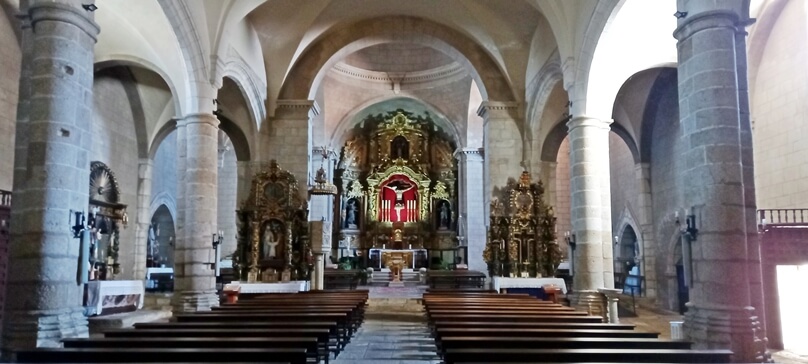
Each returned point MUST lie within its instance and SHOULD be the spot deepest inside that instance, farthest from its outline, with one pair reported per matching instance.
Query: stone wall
(666, 165)
(625, 194)
(778, 112)
(164, 188)
(114, 143)
(562, 196)
(227, 203)
(9, 83)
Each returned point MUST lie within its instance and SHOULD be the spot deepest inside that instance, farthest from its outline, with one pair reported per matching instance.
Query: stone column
(719, 314)
(642, 172)
(289, 137)
(503, 143)
(197, 284)
(471, 205)
(589, 142)
(144, 189)
(44, 300)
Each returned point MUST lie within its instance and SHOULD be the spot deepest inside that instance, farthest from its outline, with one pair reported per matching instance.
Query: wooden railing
(5, 198)
(782, 217)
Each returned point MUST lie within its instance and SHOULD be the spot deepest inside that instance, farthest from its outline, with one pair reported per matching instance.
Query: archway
(160, 251)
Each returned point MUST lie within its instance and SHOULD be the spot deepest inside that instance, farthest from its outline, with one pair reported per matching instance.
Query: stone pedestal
(319, 272)
(611, 303)
(472, 206)
(592, 302)
(44, 301)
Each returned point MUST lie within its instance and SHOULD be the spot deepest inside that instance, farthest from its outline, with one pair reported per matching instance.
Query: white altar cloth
(103, 297)
(507, 282)
(280, 287)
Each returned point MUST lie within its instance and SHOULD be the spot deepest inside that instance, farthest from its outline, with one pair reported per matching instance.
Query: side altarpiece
(521, 238)
(273, 242)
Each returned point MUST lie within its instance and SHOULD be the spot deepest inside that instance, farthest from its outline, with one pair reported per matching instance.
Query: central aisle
(390, 339)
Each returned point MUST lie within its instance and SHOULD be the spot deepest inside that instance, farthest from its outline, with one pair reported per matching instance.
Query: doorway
(791, 287)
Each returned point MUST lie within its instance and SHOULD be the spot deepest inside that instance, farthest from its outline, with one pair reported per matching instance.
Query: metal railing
(782, 217)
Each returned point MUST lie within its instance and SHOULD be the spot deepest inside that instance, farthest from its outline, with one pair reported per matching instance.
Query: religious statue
(444, 215)
(350, 218)
(270, 241)
(400, 148)
(399, 191)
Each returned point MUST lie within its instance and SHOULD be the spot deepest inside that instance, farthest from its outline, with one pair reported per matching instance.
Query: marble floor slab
(384, 340)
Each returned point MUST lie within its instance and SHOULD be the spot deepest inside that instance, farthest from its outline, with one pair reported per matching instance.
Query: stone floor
(390, 339)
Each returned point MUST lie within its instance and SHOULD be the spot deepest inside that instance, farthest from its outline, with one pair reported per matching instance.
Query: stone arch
(666, 79)
(624, 135)
(163, 199)
(553, 140)
(540, 88)
(597, 77)
(252, 89)
(348, 121)
(127, 79)
(161, 134)
(307, 72)
(196, 62)
(132, 61)
(241, 144)
(628, 221)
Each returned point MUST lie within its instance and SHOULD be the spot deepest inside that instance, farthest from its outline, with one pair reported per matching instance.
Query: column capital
(581, 121)
(296, 109)
(498, 110)
(198, 118)
(61, 12)
(469, 154)
(695, 23)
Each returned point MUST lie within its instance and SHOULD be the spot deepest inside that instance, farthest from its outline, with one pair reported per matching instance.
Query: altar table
(280, 287)
(106, 297)
(413, 254)
(507, 282)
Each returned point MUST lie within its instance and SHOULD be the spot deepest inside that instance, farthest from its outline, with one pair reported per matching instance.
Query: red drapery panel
(409, 210)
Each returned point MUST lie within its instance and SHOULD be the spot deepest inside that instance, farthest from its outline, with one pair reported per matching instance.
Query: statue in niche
(399, 148)
(399, 190)
(272, 236)
(444, 220)
(350, 214)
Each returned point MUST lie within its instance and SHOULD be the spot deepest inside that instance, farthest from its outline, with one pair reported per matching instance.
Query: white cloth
(507, 282)
(108, 295)
(280, 287)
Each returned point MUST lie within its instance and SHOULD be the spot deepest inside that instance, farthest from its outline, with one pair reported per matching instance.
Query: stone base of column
(45, 329)
(593, 302)
(193, 301)
(733, 328)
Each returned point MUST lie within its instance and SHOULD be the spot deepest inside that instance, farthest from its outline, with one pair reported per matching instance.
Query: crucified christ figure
(399, 191)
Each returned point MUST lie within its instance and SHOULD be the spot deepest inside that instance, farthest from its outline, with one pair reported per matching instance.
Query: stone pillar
(289, 137)
(589, 142)
(319, 267)
(23, 109)
(144, 189)
(44, 300)
(642, 172)
(719, 314)
(472, 206)
(197, 284)
(503, 143)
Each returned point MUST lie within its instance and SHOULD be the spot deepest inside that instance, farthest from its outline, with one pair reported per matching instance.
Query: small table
(107, 297)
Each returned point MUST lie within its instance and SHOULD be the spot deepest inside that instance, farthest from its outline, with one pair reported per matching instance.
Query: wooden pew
(522, 342)
(493, 355)
(459, 317)
(159, 355)
(455, 279)
(530, 325)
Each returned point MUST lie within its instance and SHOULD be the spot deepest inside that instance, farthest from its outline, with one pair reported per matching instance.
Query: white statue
(271, 241)
(399, 191)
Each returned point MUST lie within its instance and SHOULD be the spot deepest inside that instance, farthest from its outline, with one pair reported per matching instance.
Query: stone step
(98, 324)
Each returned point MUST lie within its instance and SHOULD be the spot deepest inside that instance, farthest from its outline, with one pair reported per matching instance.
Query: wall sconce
(690, 229)
(570, 239)
(616, 240)
(680, 14)
(89, 7)
(216, 241)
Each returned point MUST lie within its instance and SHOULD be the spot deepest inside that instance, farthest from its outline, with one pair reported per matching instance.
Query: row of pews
(294, 328)
(484, 327)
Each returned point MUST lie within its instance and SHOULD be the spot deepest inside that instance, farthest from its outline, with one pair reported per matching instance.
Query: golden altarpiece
(273, 232)
(521, 237)
(397, 178)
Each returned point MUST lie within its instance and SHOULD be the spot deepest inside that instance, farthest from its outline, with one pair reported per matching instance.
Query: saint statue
(350, 211)
(271, 241)
(444, 215)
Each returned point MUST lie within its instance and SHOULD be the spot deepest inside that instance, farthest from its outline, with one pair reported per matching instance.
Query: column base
(42, 329)
(593, 302)
(726, 327)
(193, 301)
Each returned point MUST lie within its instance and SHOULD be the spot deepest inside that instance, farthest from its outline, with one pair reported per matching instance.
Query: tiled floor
(390, 340)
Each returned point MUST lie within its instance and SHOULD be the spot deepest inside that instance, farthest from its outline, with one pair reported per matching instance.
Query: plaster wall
(778, 113)
(9, 83)
(114, 143)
